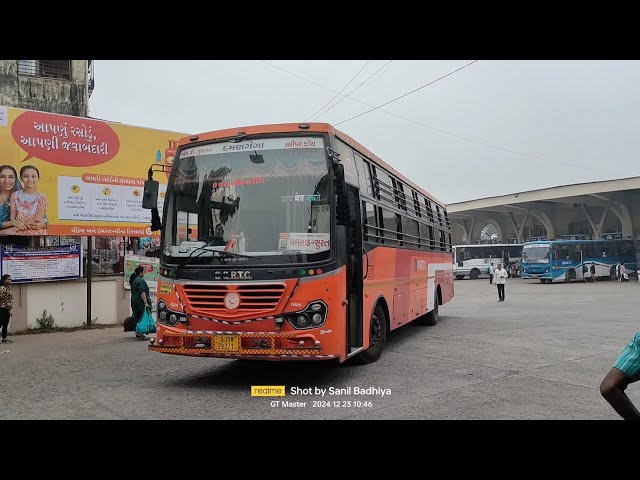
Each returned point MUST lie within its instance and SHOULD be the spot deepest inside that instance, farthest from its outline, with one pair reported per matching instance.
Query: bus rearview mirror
(150, 195)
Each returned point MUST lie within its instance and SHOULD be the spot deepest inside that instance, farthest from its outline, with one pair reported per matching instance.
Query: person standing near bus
(491, 272)
(626, 370)
(500, 280)
(618, 271)
(140, 298)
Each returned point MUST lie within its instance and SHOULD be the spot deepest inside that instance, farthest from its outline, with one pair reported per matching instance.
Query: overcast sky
(563, 113)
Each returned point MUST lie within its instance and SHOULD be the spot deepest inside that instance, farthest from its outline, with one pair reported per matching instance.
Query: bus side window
(370, 223)
(364, 175)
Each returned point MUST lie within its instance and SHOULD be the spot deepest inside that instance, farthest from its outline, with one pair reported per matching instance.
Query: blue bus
(566, 260)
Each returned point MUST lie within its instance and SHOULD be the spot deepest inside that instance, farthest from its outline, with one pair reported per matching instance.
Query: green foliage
(46, 321)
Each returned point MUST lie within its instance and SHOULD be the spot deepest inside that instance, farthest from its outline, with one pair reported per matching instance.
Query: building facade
(55, 86)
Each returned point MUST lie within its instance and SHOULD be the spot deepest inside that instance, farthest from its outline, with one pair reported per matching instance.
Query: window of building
(45, 68)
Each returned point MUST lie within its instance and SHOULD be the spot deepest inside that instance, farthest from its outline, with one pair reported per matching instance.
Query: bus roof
(295, 127)
(579, 241)
(490, 245)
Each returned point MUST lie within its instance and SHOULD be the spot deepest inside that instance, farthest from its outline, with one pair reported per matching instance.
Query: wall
(45, 94)
(67, 302)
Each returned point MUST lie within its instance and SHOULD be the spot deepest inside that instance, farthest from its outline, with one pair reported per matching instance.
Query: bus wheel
(569, 275)
(459, 277)
(543, 280)
(612, 273)
(431, 318)
(475, 273)
(377, 337)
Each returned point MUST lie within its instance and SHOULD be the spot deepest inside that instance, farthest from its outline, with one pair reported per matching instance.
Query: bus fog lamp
(317, 318)
(302, 321)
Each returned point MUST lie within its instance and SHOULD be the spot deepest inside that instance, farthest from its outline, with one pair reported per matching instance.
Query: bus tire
(543, 280)
(377, 337)
(475, 273)
(431, 318)
(612, 273)
(459, 277)
(569, 275)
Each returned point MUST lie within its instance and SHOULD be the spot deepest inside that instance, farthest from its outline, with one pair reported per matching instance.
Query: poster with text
(151, 265)
(43, 264)
(65, 175)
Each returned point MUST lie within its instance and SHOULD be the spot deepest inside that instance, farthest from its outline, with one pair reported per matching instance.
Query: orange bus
(293, 242)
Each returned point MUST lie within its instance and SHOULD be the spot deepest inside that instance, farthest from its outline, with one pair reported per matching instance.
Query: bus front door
(354, 271)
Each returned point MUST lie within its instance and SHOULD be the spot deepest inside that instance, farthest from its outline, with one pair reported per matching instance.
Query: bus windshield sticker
(301, 198)
(305, 242)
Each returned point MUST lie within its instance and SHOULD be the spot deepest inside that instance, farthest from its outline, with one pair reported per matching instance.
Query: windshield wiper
(215, 254)
(191, 258)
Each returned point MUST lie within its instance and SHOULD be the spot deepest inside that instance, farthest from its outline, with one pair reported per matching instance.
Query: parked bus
(566, 260)
(293, 242)
(474, 260)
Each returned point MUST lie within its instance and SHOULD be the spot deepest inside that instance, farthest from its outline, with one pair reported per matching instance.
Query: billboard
(65, 175)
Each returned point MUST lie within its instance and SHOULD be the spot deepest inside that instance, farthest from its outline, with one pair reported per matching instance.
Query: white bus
(474, 260)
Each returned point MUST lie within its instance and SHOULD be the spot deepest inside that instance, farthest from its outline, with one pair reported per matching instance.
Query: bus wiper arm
(191, 257)
(225, 254)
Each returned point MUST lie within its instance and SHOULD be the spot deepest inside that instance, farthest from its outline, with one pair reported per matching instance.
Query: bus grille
(254, 299)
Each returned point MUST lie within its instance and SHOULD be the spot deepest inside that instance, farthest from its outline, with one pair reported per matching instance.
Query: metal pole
(89, 262)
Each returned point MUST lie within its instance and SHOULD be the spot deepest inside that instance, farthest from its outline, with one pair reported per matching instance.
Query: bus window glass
(589, 250)
(411, 232)
(383, 185)
(425, 240)
(390, 225)
(370, 230)
(536, 253)
(364, 175)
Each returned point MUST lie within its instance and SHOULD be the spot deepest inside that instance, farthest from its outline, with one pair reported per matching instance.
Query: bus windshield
(537, 253)
(267, 199)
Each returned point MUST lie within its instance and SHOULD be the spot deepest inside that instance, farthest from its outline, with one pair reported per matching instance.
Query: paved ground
(539, 355)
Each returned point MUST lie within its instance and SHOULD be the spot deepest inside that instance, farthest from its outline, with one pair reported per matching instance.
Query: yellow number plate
(226, 343)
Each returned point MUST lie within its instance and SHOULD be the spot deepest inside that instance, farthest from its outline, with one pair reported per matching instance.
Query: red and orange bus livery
(293, 242)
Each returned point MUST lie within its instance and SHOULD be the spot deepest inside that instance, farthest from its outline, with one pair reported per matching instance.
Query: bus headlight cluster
(169, 317)
(313, 316)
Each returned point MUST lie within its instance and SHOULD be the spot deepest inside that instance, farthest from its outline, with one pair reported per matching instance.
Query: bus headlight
(314, 315)
(166, 316)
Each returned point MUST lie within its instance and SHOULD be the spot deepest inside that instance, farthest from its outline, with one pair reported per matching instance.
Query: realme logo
(267, 391)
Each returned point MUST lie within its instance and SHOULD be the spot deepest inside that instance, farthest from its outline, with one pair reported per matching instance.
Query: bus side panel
(407, 280)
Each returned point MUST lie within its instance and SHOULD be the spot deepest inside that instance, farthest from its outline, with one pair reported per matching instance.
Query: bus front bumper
(249, 345)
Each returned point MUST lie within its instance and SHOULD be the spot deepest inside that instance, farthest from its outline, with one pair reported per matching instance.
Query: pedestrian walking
(140, 298)
(592, 269)
(6, 304)
(500, 276)
(491, 272)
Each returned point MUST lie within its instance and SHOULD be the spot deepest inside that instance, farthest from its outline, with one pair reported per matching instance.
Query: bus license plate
(226, 343)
